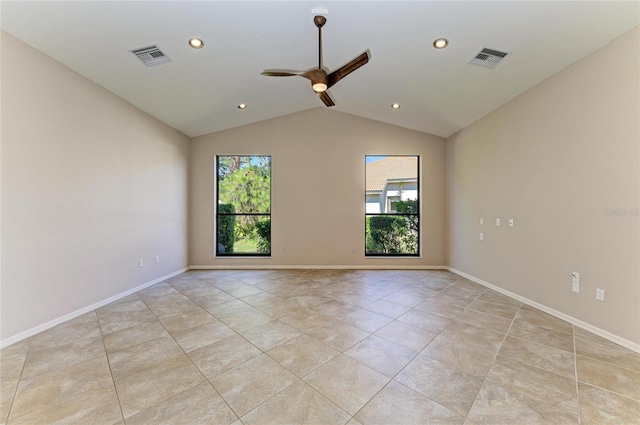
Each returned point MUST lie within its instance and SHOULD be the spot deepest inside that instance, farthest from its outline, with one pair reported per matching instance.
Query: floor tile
(497, 298)
(404, 299)
(45, 361)
(542, 356)
(530, 317)
(125, 338)
(250, 384)
(198, 405)
(469, 359)
(424, 320)
(406, 335)
(271, 335)
(143, 356)
(347, 382)
(602, 407)
(60, 384)
(366, 320)
(151, 386)
(551, 338)
(549, 394)
(96, 407)
(472, 337)
(381, 355)
(339, 335)
(77, 329)
(452, 346)
(335, 309)
(595, 347)
(298, 404)
(448, 386)
(201, 336)
(12, 360)
(610, 377)
(397, 404)
(434, 307)
(302, 355)
(486, 321)
(507, 312)
(307, 320)
(215, 359)
(496, 405)
(387, 308)
(174, 322)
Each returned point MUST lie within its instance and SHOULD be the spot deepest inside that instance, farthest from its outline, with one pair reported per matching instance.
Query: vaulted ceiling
(198, 91)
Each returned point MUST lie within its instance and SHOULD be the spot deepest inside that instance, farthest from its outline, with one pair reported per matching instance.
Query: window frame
(417, 214)
(218, 214)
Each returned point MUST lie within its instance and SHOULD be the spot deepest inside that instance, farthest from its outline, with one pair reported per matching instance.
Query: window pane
(392, 199)
(245, 183)
(243, 220)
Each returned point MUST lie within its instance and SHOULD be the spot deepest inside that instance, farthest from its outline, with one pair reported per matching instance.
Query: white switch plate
(482, 222)
(600, 294)
(157, 259)
(510, 222)
(497, 222)
(140, 263)
(481, 236)
(575, 279)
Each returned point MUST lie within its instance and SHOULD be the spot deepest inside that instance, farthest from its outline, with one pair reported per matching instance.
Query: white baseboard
(50, 324)
(576, 322)
(315, 267)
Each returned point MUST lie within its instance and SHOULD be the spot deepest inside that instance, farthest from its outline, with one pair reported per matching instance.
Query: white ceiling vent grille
(488, 58)
(150, 55)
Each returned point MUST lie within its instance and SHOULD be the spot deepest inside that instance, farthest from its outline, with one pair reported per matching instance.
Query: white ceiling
(198, 91)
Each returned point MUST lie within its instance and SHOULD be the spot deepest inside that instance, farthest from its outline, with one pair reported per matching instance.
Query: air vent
(150, 55)
(488, 58)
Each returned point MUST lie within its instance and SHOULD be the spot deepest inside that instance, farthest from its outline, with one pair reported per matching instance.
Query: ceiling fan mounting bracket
(319, 21)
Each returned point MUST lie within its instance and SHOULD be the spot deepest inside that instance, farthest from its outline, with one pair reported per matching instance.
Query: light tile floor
(318, 347)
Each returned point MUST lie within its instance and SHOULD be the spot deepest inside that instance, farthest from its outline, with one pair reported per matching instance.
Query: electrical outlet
(481, 236)
(575, 278)
(497, 222)
(481, 221)
(140, 263)
(510, 222)
(600, 294)
(157, 259)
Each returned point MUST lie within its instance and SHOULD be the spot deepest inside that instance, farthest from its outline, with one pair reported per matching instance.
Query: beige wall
(556, 159)
(90, 184)
(318, 200)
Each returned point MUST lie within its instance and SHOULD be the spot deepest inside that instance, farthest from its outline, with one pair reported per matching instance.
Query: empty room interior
(342, 212)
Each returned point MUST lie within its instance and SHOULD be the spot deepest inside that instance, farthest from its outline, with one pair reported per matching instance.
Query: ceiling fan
(321, 80)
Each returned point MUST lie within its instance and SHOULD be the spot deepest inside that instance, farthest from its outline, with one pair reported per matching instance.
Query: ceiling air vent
(488, 58)
(150, 55)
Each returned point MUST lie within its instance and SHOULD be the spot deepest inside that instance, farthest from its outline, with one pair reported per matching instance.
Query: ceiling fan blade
(347, 69)
(324, 96)
(280, 73)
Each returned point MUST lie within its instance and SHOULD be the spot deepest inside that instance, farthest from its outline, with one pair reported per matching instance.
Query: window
(392, 199)
(243, 205)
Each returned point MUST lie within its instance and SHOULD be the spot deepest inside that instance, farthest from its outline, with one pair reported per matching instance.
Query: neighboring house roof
(390, 169)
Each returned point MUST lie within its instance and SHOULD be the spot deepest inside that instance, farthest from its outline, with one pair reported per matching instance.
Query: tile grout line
(113, 380)
(15, 393)
(575, 372)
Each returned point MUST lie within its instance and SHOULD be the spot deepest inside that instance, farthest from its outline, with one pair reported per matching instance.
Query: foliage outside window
(392, 217)
(243, 208)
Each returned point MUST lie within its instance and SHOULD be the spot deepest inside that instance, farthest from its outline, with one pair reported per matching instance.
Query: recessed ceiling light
(440, 43)
(395, 106)
(242, 106)
(196, 43)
